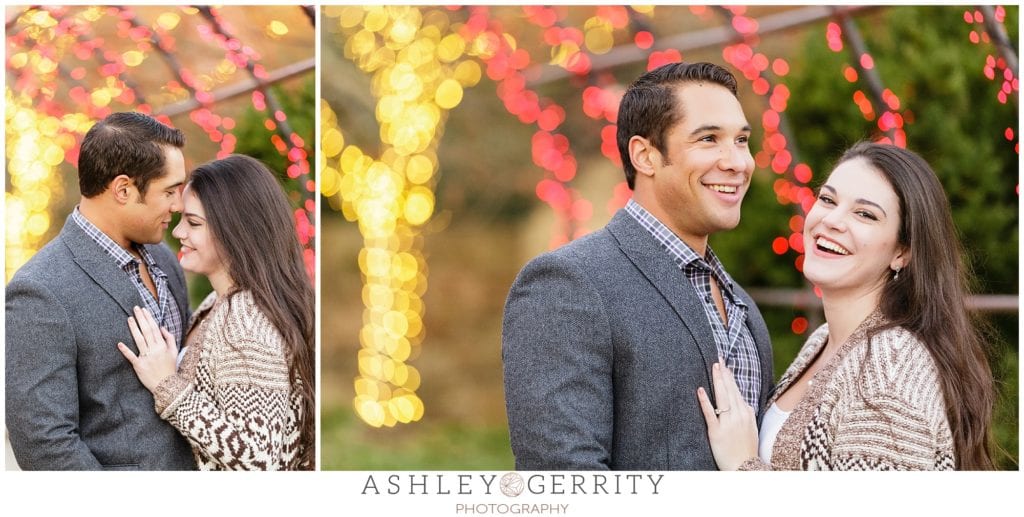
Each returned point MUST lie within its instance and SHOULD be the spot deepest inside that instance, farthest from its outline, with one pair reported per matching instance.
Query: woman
(243, 392)
(897, 377)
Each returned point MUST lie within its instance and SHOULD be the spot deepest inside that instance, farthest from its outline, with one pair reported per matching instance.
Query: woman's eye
(867, 215)
(824, 198)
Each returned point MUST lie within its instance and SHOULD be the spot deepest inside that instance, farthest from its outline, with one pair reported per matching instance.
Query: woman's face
(851, 232)
(199, 252)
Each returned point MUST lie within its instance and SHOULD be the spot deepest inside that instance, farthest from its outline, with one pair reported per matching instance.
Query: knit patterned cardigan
(231, 397)
(875, 405)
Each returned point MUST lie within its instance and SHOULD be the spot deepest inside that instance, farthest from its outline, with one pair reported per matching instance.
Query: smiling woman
(852, 232)
(246, 375)
(884, 384)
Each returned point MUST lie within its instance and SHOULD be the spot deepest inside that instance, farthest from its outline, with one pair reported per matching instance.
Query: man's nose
(176, 203)
(734, 158)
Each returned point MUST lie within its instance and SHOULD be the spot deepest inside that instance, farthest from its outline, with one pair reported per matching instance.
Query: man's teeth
(831, 246)
(727, 189)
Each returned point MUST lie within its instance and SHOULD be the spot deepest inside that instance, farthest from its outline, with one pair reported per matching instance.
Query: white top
(770, 426)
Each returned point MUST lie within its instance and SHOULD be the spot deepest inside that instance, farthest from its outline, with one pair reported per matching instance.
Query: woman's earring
(897, 275)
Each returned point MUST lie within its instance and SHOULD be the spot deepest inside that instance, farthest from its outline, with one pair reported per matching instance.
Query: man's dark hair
(649, 109)
(126, 143)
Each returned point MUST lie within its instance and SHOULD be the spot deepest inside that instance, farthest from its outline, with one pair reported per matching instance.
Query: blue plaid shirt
(163, 308)
(733, 341)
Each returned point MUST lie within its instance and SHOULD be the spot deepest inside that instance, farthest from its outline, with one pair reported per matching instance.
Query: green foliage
(427, 446)
(254, 138)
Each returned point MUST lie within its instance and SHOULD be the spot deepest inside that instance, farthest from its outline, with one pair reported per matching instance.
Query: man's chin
(150, 239)
(727, 224)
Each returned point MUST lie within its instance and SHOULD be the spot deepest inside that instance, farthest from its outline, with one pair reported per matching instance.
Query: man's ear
(121, 188)
(643, 155)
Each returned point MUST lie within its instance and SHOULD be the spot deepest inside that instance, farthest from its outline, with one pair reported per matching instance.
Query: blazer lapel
(655, 263)
(100, 266)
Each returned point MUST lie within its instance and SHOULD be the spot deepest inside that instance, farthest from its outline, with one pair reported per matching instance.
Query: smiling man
(73, 402)
(606, 340)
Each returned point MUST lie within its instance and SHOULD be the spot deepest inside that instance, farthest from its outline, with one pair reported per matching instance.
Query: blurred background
(235, 79)
(459, 142)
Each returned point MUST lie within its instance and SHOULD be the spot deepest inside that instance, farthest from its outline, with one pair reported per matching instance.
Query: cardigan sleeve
(895, 417)
(240, 422)
(884, 433)
(891, 433)
(755, 464)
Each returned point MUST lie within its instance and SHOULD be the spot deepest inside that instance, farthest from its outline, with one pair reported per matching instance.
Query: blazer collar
(643, 250)
(100, 266)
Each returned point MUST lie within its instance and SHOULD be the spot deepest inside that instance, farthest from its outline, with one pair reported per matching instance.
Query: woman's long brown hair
(251, 222)
(928, 298)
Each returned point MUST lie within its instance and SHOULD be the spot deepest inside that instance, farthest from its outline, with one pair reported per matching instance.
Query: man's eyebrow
(712, 127)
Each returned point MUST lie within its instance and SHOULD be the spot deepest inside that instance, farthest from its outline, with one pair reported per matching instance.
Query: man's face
(706, 171)
(148, 217)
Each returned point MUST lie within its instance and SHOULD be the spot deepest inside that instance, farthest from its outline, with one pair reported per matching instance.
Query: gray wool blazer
(604, 344)
(73, 401)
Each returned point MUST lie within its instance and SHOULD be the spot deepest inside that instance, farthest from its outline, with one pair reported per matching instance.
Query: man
(606, 340)
(73, 402)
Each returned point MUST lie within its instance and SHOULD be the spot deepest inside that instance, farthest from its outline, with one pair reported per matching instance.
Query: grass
(350, 444)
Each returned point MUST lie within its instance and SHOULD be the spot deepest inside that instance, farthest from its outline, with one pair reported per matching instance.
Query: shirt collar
(681, 252)
(119, 254)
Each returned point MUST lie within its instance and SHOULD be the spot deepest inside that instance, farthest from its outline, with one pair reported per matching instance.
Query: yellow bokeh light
(599, 40)
(37, 224)
(362, 42)
(349, 16)
(468, 73)
(449, 94)
(46, 65)
(41, 18)
(19, 60)
(419, 206)
(395, 324)
(277, 28)
(53, 155)
(403, 31)
(370, 411)
(419, 169)
(412, 382)
(333, 142)
(168, 21)
(330, 181)
(451, 48)
(419, 66)
(376, 19)
(35, 148)
(101, 97)
(132, 58)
